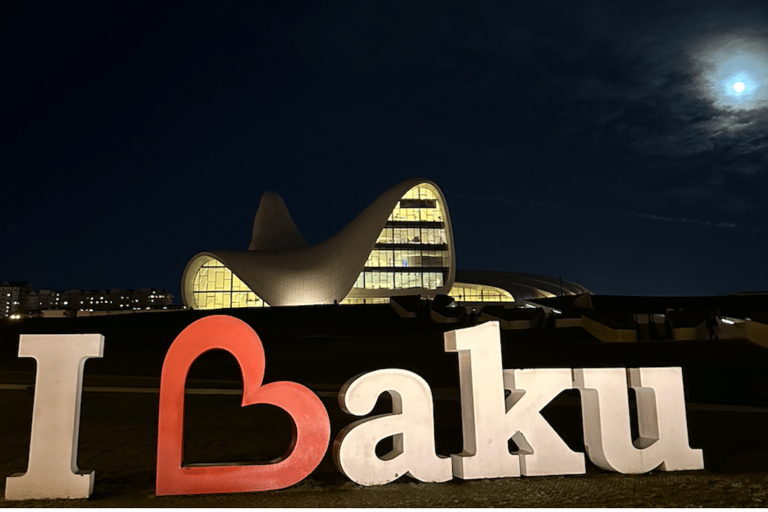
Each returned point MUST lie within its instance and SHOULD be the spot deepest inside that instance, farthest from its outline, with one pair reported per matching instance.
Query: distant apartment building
(13, 298)
(22, 299)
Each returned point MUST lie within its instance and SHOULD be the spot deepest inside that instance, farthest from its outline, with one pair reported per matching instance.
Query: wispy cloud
(646, 216)
(662, 218)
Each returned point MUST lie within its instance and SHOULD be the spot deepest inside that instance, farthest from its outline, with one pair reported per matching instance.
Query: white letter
(663, 440)
(52, 470)
(483, 422)
(411, 424)
(541, 450)
(661, 416)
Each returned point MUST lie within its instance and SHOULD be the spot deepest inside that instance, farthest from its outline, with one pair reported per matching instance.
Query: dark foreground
(727, 418)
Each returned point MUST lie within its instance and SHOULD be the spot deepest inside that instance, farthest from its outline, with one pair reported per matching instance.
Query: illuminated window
(412, 249)
(464, 292)
(375, 300)
(214, 286)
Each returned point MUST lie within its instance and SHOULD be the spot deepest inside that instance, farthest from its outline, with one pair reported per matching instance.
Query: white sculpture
(52, 471)
(483, 411)
(411, 424)
(662, 426)
(541, 450)
(488, 422)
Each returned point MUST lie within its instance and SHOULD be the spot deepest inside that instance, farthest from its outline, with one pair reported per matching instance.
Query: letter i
(52, 470)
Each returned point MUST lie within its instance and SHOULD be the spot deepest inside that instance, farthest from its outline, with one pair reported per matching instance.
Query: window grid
(411, 250)
(375, 300)
(216, 287)
(479, 293)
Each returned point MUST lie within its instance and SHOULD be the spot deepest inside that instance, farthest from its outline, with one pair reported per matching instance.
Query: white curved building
(402, 244)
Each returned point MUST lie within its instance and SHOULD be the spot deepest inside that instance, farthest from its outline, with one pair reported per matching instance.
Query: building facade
(402, 244)
(22, 300)
(13, 298)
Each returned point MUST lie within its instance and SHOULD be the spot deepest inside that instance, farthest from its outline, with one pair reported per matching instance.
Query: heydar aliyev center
(402, 244)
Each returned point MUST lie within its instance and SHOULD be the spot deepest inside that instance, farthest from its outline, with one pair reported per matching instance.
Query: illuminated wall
(375, 300)
(214, 286)
(466, 292)
(411, 251)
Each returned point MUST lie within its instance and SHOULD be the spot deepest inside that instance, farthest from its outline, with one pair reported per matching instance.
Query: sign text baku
(489, 418)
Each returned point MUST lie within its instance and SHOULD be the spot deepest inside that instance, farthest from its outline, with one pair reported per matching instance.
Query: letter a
(411, 425)
(52, 470)
(663, 440)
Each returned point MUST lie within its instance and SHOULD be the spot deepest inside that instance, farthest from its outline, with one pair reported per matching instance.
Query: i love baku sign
(490, 418)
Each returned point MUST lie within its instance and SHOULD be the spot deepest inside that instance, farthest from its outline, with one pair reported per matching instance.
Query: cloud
(637, 78)
(685, 220)
(645, 216)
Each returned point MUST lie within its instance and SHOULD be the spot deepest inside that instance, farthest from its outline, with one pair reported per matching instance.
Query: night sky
(603, 142)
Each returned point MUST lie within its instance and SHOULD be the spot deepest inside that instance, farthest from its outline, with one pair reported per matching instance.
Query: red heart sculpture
(311, 426)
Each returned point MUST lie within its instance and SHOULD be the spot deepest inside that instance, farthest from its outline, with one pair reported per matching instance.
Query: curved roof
(273, 227)
(522, 286)
(283, 272)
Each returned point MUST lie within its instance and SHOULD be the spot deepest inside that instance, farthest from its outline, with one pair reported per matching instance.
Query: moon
(733, 73)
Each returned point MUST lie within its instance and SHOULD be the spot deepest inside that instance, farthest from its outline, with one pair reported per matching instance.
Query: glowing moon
(733, 73)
